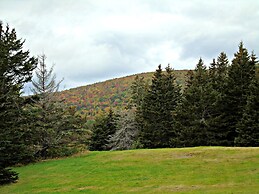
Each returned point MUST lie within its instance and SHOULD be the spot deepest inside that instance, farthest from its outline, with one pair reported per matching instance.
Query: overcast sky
(95, 40)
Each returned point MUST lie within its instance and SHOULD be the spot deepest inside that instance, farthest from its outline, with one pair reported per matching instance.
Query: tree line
(218, 106)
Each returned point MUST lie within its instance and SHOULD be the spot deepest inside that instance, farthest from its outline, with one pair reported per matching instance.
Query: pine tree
(222, 69)
(171, 102)
(149, 111)
(194, 115)
(248, 126)
(15, 70)
(155, 117)
(218, 72)
(241, 72)
(257, 71)
(217, 79)
(103, 128)
(138, 92)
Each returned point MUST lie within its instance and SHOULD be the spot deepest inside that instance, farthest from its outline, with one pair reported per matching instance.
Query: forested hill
(115, 93)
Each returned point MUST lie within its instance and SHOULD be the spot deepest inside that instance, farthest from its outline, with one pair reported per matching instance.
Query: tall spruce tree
(218, 73)
(15, 70)
(155, 116)
(240, 75)
(194, 115)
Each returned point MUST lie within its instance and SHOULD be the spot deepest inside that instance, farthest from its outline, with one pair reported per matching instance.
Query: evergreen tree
(194, 115)
(241, 73)
(257, 71)
(138, 92)
(147, 115)
(103, 128)
(15, 70)
(248, 126)
(218, 73)
(155, 116)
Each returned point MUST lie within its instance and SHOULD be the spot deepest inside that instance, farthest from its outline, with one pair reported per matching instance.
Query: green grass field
(186, 170)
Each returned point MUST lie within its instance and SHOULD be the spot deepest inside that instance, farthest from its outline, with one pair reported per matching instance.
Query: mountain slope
(115, 93)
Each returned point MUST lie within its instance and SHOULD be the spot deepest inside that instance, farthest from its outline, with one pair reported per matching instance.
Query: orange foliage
(95, 98)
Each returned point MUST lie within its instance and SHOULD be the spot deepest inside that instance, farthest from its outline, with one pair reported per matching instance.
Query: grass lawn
(185, 170)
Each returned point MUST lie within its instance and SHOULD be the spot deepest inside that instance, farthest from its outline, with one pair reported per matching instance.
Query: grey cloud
(209, 45)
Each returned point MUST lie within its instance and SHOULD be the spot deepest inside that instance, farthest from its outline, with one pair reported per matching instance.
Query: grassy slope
(187, 170)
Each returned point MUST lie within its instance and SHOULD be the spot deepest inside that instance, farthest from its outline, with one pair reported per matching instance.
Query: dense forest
(214, 104)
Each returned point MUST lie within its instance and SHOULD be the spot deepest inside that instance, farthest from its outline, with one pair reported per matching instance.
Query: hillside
(114, 93)
(184, 170)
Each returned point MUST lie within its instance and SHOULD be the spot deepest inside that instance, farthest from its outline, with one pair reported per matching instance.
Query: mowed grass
(185, 170)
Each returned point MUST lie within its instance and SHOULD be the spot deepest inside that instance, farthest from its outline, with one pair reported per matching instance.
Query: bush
(7, 176)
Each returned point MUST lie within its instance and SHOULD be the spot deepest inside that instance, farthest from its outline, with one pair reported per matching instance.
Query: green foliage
(218, 73)
(7, 176)
(155, 115)
(61, 151)
(219, 105)
(16, 65)
(103, 128)
(257, 71)
(56, 129)
(194, 116)
(241, 73)
(15, 70)
(248, 126)
(139, 89)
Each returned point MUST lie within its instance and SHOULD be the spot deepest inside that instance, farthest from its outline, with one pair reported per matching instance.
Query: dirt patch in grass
(87, 188)
(178, 188)
(185, 155)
